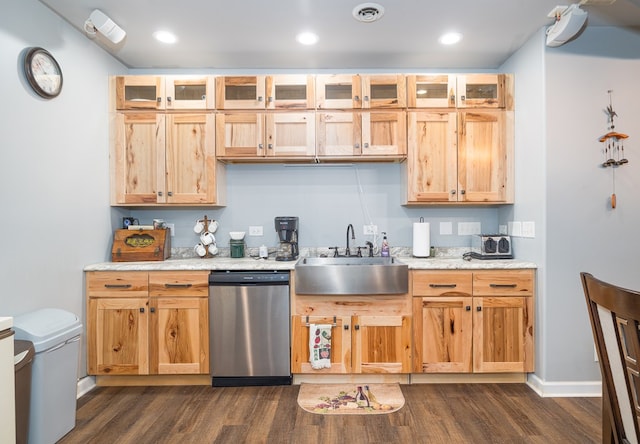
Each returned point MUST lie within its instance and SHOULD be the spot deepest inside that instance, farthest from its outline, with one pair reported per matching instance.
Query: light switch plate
(515, 228)
(528, 229)
(446, 228)
(255, 230)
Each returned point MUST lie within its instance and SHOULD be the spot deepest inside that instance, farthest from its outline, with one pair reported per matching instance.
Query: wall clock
(43, 72)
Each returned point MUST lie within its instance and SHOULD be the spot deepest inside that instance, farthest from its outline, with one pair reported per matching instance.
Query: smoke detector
(368, 12)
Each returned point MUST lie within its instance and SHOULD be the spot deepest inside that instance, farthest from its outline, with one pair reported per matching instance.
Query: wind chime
(613, 149)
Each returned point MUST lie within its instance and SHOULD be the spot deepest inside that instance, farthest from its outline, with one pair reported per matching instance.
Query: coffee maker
(287, 229)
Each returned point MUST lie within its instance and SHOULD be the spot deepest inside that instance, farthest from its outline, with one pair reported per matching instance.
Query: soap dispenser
(384, 251)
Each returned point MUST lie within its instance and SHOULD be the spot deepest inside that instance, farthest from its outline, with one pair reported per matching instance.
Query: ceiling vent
(368, 12)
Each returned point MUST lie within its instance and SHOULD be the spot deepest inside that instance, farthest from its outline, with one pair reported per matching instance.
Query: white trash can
(55, 335)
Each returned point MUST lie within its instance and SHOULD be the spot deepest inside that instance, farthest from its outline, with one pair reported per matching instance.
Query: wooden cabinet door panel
(482, 156)
(117, 284)
(240, 134)
(139, 157)
(340, 344)
(290, 91)
(179, 339)
(190, 92)
(503, 334)
(190, 158)
(240, 92)
(384, 133)
(444, 334)
(381, 344)
(179, 283)
(503, 283)
(118, 335)
(291, 134)
(481, 91)
(140, 92)
(339, 134)
(384, 91)
(432, 163)
(431, 91)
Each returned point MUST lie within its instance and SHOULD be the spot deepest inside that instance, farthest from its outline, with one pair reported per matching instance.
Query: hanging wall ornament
(613, 149)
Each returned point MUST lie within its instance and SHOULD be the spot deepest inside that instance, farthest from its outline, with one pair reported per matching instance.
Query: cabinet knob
(260, 99)
(260, 146)
(152, 309)
(346, 326)
(462, 191)
(270, 99)
(141, 309)
(170, 193)
(159, 100)
(366, 145)
(270, 146)
(463, 98)
(356, 327)
(204, 97)
(169, 100)
(357, 146)
(366, 98)
(356, 98)
(468, 308)
(453, 192)
(160, 193)
(479, 308)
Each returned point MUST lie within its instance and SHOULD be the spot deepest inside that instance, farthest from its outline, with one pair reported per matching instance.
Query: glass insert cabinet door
(241, 92)
(165, 92)
(456, 91)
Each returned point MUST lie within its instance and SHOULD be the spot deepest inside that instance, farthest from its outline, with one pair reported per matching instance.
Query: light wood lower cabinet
(148, 323)
(473, 321)
(371, 334)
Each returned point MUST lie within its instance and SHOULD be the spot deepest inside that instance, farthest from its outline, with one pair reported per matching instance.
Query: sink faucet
(347, 252)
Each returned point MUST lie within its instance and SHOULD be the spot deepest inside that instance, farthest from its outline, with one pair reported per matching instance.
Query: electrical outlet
(255, 230)
(172, 229)
(369, 230)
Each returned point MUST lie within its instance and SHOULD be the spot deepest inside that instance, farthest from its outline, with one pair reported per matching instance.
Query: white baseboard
(85, 385)
(566, 389)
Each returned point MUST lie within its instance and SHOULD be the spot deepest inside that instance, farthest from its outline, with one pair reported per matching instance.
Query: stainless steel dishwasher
(250, 328)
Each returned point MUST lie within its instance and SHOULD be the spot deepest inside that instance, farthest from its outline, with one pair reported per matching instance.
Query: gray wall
(54, 174)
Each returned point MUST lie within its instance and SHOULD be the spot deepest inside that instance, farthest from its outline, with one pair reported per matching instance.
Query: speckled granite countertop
(440, 262)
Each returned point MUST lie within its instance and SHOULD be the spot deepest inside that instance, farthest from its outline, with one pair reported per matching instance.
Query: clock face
(43, 73)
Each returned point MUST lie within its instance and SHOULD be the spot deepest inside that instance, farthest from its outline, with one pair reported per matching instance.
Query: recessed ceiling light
(165, 37)
(450, 38)
(307, 38)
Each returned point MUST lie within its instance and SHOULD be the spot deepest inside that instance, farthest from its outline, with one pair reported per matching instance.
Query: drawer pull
(178, 285)
(443, 285)
(117, 285)
(503, 285)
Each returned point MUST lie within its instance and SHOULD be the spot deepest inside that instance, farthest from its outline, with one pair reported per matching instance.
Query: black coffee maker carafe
(287, 229)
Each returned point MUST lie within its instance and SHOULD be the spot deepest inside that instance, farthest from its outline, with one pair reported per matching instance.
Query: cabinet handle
(141, 309)
(366, 145)
(117, 285)
(462, 191)
(159, 100)
(260, 146)
(366, 98)
(170, 193)
(443, 285)
(204, 97)
(356, 327)
(260, 99)
(270, 146)
(503, 285)
(357, 146)
(356, 98)
(169, 100)
(160, 193)
(468, 308)
(463, 98)
(152, 309)
(346, 326)
(270, 99)
(453, 192)
(178, 285)
(479, 308)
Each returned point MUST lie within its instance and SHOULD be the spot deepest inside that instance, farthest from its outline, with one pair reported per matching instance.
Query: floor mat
(350, 399)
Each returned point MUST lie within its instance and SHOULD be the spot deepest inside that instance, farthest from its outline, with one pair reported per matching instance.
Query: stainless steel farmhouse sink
(351, 275)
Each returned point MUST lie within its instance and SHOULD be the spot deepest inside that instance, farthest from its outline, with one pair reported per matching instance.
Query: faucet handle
(359, 252)
(370, 245)
(335, 251)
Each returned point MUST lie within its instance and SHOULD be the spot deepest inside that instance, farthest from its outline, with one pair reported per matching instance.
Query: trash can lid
(47, 327)
(23, 352)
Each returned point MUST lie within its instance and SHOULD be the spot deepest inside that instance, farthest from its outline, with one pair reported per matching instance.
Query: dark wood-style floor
(438, 413)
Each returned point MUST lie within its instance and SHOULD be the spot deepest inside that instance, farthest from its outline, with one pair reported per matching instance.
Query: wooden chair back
(615, 318)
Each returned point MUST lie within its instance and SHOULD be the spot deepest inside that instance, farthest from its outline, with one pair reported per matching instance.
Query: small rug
(350, 399)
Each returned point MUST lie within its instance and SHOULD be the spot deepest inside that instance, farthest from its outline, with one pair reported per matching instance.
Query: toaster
(491, 246)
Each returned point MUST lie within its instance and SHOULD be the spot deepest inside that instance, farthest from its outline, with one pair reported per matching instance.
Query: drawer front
(442, 283)
(117, 284)
(503, 283)
(179, 283)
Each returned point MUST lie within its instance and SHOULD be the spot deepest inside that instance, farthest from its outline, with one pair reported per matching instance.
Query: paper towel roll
(421, 240)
